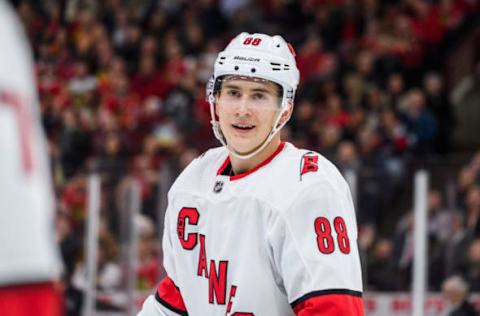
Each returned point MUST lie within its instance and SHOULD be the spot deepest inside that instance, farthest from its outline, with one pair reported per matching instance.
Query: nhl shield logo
(218, 187)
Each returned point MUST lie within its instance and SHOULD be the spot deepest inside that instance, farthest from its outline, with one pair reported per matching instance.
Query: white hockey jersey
(27, 244)
(280, 239)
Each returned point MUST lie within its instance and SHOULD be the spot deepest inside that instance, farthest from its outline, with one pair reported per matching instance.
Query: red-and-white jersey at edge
(28, 250)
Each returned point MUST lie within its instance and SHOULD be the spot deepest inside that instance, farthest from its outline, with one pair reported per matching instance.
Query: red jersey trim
(262, 164)
(168, 294)
(42, 299)
(336, 302)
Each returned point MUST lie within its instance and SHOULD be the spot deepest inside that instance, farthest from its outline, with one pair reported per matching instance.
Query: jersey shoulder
(15, 60)
(301, 170)
(200, 171)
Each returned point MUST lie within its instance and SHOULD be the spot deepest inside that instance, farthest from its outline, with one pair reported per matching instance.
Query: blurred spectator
(109, 279)
(420, 122)
(74, 144)
(475, 166)
(393, 134)
(473, 210)
(466, 180)
(148, 264)
(180, 101)
(439, 218)
(473, 269)
(336, 115)
(328, 140)
(382, 268)
(404, 249)
(372, 177)
(366, 238)
(456, 247)
(395, 91)
(302, 120)
(312, 60)
(110, 162)
(347, 157)
(455, 289)
(439, 230)
(437, 100)
(83, 81)
(148, 81)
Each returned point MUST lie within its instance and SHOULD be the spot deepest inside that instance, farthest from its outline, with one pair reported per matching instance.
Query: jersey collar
(226, 164)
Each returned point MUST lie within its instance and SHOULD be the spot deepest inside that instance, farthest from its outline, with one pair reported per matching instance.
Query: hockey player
(29, 262)
(258, 227)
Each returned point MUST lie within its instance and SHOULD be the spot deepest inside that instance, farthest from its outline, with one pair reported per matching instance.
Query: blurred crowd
(122, 93)
(453, 240)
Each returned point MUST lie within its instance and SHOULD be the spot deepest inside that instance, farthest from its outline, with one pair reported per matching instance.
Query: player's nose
(242, 106)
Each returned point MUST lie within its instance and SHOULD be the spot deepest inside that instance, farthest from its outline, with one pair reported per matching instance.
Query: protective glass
(257, 93)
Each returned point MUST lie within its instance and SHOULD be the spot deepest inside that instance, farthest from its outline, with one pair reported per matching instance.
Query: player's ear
(215, 105)
(287, 114)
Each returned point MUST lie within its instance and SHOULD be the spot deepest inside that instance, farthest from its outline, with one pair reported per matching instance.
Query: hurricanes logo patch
(309, 164)
(217, 188)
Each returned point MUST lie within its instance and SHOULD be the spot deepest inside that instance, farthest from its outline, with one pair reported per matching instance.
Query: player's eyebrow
(231, 86)
(259, 89)
(264, 90)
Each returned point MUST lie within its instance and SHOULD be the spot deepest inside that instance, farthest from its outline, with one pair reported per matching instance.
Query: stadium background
(387, 87)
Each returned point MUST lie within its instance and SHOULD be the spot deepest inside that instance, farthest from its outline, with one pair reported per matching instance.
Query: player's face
(247, 110)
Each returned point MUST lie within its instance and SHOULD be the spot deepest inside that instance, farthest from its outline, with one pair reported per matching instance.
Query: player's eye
(233, 93)
(259, 96)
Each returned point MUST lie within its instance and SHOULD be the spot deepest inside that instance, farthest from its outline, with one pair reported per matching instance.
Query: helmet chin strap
(275, 129)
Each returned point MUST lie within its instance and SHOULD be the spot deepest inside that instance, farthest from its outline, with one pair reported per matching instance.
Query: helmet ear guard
(259, 56)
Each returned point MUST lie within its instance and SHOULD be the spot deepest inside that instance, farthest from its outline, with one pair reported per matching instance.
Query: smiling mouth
(243, 127)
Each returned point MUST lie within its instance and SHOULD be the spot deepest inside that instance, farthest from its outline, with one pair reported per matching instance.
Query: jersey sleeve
(167, 300)
(314, 251)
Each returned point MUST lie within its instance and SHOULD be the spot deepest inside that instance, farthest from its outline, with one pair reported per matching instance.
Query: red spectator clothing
(74, 197)
(452, 13)
(410, 52)
(120, 104)
(340, 119)
(175, 69)
(429, 28)
(154, 85)
(312, 65)
(147, 274)
(350, 30)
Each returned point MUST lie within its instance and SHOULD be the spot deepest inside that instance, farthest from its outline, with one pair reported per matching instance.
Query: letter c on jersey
(192, 215)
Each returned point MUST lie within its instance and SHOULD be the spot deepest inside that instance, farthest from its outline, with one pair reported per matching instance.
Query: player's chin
(243, 146)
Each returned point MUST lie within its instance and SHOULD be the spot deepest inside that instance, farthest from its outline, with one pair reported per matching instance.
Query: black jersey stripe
(170, 307)
(325, 292)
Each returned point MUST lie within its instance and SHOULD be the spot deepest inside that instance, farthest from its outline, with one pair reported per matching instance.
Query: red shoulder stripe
(330, 305)
(168, 294)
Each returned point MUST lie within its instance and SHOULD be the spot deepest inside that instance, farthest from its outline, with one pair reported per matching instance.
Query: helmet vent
(276, 66)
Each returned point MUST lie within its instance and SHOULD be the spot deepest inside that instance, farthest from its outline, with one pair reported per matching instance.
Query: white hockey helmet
(258, 56)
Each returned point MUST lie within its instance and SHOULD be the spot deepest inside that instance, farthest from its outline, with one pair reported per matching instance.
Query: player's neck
(243, 165)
